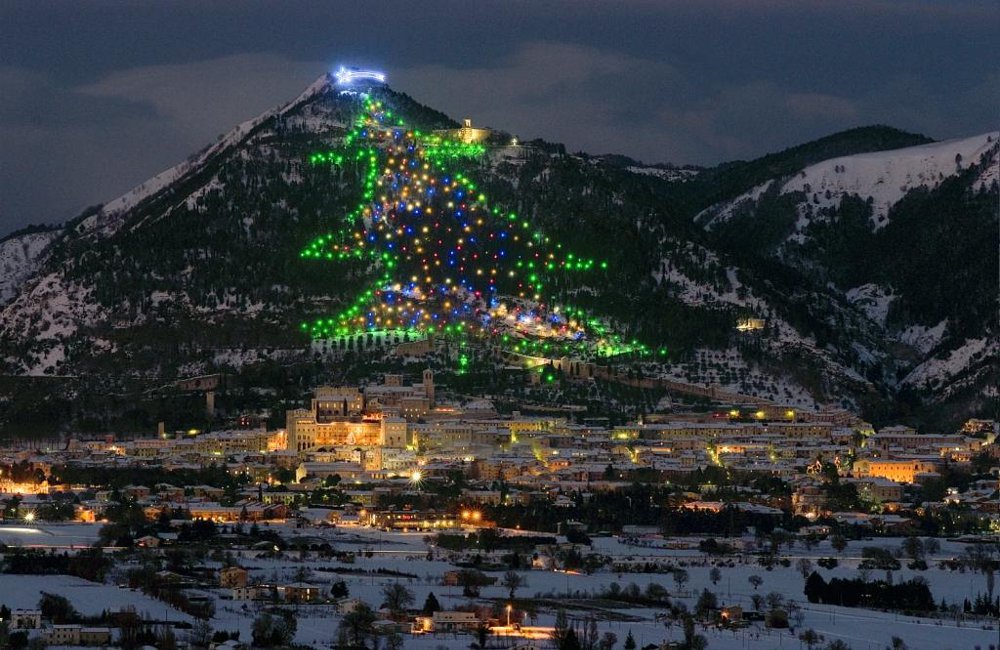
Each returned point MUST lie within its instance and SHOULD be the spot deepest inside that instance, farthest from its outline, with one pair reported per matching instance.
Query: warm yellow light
(29, 517)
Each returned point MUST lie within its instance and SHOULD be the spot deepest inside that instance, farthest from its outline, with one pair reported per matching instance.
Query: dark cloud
(29, 99)
(98, 96)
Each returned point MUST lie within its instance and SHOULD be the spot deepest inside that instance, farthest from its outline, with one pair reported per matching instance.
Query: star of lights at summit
(448, 260)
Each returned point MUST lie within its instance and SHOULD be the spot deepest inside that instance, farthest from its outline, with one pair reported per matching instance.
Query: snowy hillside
(672, 174)
(109, 219)
(20, 257)
(884, 177)
(938, 372)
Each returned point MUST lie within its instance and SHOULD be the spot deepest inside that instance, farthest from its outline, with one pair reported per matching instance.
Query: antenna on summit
(347, 77)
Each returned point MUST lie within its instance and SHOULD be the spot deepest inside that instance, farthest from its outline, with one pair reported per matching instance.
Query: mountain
(199, 270)
(21, 255)
(908, 238)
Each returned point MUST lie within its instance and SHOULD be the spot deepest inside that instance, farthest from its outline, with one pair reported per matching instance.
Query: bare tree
(396, 598)
(810, 638)
(513, 581)
(681, 577)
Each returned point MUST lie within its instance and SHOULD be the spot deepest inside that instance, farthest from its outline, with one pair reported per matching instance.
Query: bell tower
(429, 385)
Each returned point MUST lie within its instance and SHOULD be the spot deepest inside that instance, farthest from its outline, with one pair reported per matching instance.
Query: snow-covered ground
(938, 370)
(873, 300)
(88, 598)
(110, 218)
(20, 258)
(407, 553)
(47, 535)
(672, 174)
(884, 177)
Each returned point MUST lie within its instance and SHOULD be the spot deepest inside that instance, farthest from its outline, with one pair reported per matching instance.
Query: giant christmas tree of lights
(445, 259)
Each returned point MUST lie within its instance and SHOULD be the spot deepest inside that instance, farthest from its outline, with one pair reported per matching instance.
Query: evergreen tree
(431, 605)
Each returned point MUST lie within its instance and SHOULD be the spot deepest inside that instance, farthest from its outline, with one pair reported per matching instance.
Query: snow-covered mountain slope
(963, 367)
(50, 310)
(200, 251)
(673, 174)
(45, 318)
(108, 219)
(903, 239)
(199, 268)
(884, 177)
(21, 255)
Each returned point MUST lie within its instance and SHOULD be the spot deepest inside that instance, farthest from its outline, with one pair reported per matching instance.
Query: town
(686, 339)
(399, 513)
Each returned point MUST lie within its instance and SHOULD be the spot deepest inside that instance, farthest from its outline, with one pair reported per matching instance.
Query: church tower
(429, 386)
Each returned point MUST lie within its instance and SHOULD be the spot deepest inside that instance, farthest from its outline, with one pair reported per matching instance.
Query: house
(233, 576)
(26, 619)
(62, 635)
(454, 578)
(446, 622)
(348, 605)
(251, 592)
(300, 592)
(148, 541)
(95, 636)
(137, 492)
(731, 613)
(542, 561)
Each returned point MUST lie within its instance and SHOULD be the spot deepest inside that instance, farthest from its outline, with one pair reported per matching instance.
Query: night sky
(95, 97)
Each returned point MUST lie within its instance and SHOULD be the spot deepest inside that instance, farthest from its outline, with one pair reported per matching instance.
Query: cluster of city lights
(448, 261)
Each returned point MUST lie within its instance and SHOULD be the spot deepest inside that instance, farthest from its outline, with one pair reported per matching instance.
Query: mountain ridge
(101, 298)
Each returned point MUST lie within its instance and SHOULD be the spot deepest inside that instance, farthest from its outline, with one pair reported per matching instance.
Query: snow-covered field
(48, 535)
(89, 598)
(407, 553)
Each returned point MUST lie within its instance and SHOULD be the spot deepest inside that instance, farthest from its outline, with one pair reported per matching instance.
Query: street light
(509, 607)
